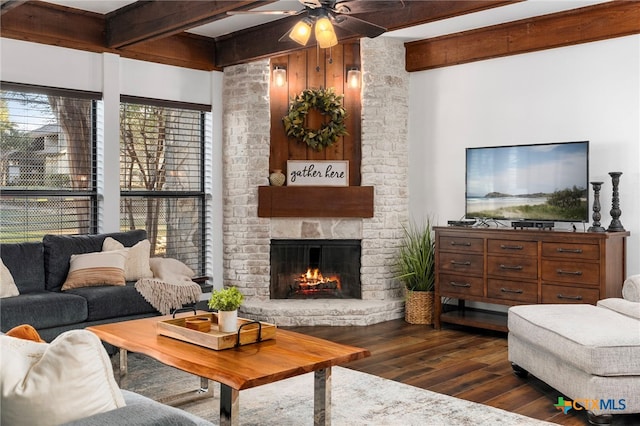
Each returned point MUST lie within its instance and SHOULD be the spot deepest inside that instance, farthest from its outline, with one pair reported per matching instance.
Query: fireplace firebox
(315, 269)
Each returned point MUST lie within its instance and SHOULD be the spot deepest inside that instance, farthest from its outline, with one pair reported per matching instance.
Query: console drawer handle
(564, 250)
(455, 243)
(456, 263)
(562, 296)
(508, 290)
(506, 247)
(455, 284)
(512, 268)
(562, 272)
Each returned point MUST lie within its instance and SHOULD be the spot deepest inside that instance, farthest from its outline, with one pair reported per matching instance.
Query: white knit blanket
(171, 285)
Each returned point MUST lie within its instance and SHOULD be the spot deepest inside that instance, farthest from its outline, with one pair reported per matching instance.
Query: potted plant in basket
(226, 302)
(416, 270)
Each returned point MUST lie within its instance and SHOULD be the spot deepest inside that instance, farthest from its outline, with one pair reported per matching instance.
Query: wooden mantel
(315, 201)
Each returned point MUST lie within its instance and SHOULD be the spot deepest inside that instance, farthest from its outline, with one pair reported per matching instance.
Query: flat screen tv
(542, 182)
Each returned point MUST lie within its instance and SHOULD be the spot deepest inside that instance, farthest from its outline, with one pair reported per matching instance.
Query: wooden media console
(515, 267)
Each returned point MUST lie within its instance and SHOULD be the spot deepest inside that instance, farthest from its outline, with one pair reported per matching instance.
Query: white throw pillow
(45, 384)
(631, 288)
(97, 268)
(168, 269)
(137, 264)
(7, 284)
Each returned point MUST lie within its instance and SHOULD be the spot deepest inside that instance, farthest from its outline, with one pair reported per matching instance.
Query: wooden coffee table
(289, 354)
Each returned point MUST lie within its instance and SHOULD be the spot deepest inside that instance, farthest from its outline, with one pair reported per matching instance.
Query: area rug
(357, 399)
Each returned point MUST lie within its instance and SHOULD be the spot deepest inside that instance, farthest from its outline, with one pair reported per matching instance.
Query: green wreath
(328, 103)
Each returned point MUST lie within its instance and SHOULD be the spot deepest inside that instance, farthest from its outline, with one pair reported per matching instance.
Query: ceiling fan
(324, 14)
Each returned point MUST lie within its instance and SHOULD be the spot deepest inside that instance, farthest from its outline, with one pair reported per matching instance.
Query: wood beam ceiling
(153, 31)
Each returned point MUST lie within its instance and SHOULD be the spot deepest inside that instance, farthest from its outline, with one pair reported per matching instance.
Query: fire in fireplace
(312, 269)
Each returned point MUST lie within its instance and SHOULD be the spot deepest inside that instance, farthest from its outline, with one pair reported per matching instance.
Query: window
(47, 162)
(162, 177)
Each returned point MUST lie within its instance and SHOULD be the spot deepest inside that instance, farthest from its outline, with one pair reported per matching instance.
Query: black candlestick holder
(615, 225)
(596, 209)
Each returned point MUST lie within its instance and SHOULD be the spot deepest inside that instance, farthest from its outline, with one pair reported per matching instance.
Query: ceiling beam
(53, 24)
(56, 25)
(591, 23)
(150, 20)
(181, 50)
(262, 41)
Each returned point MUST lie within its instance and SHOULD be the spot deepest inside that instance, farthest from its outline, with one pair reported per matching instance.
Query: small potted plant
(226, 302)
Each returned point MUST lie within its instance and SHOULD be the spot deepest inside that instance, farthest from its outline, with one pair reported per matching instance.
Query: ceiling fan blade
(311, 4)
(354, 7)
(358, 26)
(263, 12)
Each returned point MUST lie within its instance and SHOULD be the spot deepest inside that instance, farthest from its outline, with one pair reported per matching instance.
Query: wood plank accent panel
(315, 201)
(312, 69)
(587, 24)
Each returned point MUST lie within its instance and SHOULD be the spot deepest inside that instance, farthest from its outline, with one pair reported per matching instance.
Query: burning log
(312, 283)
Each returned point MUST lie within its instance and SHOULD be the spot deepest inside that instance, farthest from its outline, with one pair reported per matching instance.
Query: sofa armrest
(621, 306)
(142, 411)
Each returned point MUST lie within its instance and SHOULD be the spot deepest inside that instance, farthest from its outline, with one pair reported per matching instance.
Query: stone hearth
(247, 237)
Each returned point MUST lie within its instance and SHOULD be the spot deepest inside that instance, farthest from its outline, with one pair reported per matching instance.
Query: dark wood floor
(467, 363)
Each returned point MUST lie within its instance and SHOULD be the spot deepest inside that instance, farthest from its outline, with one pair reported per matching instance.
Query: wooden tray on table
(249, 331)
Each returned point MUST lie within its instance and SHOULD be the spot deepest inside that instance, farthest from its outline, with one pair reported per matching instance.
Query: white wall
(38, 64)
(584, 92)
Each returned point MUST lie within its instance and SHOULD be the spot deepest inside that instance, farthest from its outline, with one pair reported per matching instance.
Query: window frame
(201, 194)
(92, 192)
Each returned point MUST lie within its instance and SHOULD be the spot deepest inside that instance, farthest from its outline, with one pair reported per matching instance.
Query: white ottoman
(591, 354)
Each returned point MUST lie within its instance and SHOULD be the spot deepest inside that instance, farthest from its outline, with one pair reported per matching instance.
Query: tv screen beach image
(536, 182)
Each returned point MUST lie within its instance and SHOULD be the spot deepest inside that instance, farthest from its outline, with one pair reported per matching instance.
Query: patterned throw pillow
(94, 269)
(137, 264)
(7, 284)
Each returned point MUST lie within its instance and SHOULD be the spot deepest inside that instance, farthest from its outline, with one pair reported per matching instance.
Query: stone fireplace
(247, 238)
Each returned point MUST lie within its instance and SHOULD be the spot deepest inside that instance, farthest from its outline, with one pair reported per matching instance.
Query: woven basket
(418, 308)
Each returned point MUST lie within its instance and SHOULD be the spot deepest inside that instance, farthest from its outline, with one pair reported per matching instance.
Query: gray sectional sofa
(142, 411)
(39, 270)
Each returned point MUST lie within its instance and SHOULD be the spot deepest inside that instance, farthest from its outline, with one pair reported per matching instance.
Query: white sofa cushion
(44, 384)
(596, 340)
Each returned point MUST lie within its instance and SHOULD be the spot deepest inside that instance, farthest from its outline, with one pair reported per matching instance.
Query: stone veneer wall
(246, 237)
(385, 161)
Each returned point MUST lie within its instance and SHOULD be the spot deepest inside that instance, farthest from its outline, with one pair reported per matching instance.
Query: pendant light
(325, 34)
(301, 31)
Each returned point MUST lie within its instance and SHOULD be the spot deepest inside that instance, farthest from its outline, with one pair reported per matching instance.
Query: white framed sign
(318, 173)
